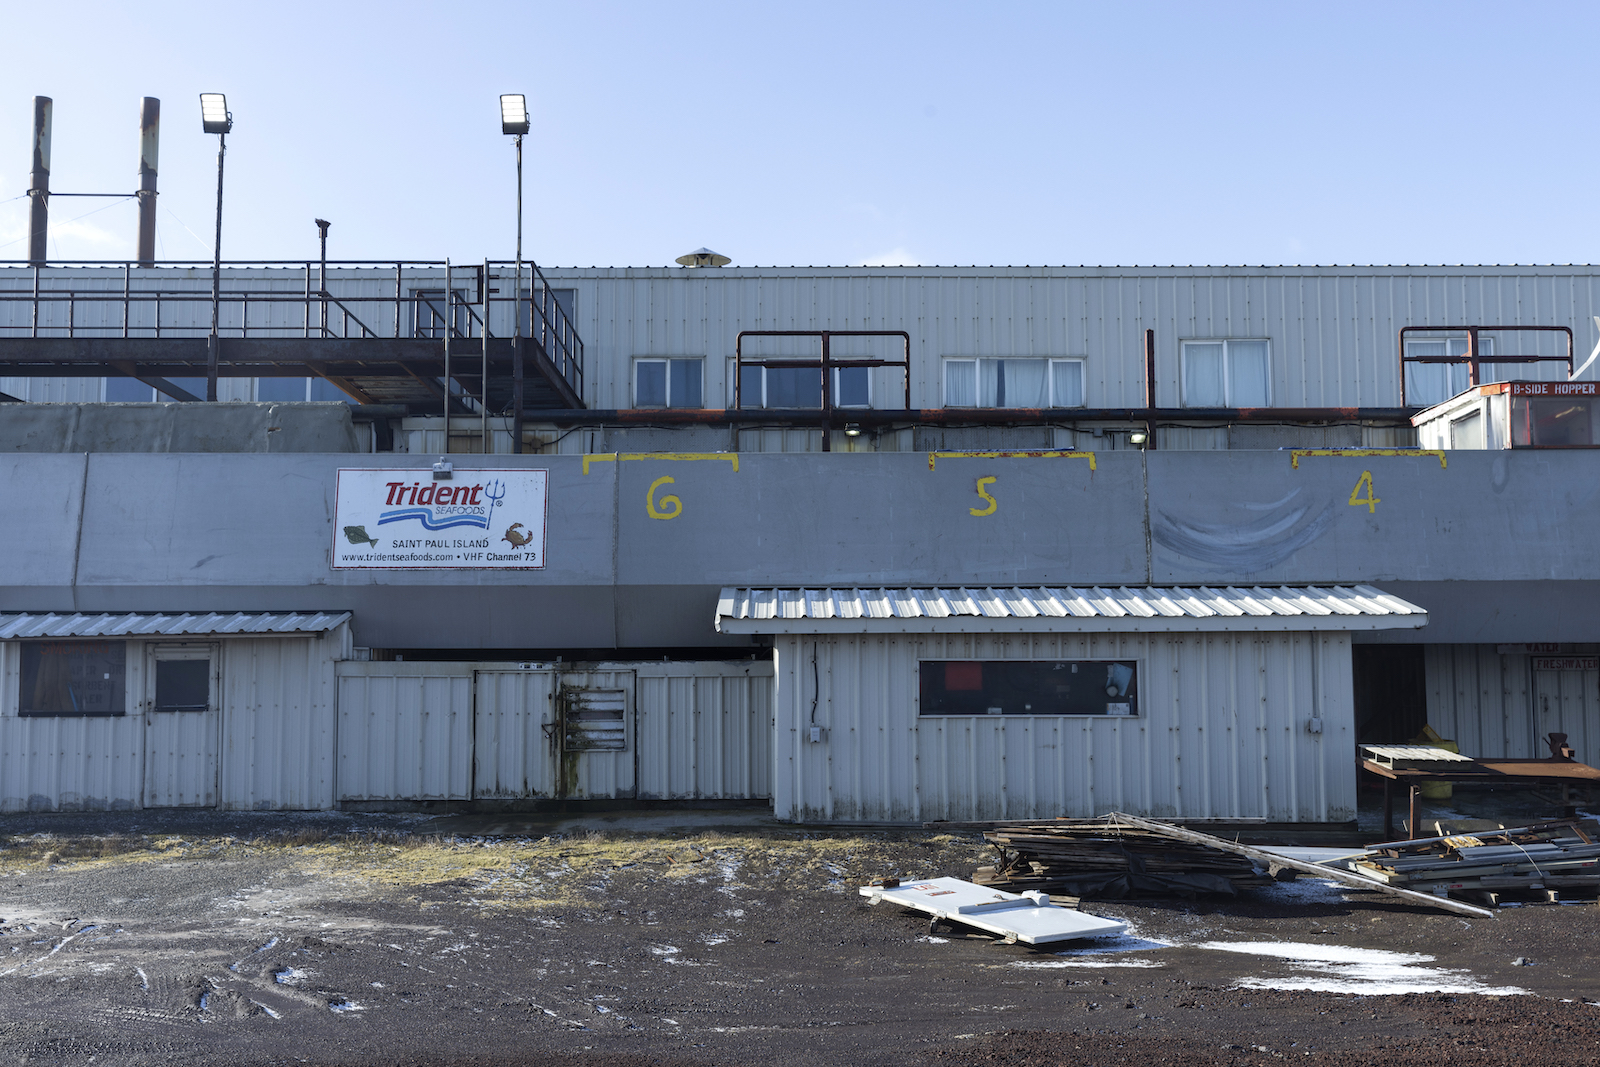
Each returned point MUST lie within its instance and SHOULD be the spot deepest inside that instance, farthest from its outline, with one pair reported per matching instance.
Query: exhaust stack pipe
(149, 143)
(39, 187)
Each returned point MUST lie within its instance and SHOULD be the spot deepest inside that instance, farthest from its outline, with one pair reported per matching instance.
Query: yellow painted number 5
(1370, 500)
(672, 506)
(993, 503)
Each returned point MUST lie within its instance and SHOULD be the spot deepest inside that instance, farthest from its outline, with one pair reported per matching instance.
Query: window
(1434, 383)
(183, 684)
(428, 311)
(133, 391)
(293, 389)
(1226, 374)
(1013, 383)
(73, 678)
(1562, 423)
(668, 383)
(1019, 687)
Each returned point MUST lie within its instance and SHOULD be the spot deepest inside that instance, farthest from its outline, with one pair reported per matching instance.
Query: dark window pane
(794, 387)
(851, 386)
(322, 389)
(183, 684)
(280, 389)
(128, 391)
(685, 391)
(196, 387)
(650, 383)
(73, 678)
(750, 387)
(1011, 687)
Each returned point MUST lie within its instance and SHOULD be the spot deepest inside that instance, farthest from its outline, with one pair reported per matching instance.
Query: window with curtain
(1226, 374)
(1434, 383)
(1013, 383)
(668, 383)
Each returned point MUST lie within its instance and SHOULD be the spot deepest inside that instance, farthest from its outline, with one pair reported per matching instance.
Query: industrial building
(869, 544)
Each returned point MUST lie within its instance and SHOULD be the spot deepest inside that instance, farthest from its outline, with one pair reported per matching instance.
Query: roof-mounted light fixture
(703, 257)
(514, 113)
(214, 113)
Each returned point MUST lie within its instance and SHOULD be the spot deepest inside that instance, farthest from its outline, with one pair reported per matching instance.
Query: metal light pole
(514, 121)
(216, 118)
(322, 272)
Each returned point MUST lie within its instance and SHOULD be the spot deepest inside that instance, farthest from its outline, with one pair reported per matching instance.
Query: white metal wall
(405, 731)
(277, 701)
(279, 698)
(1222, 732)
(1333, 330)
(705, 730)
(1497, 706)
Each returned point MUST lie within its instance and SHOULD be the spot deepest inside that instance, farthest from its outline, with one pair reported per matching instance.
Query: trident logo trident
(494, 492)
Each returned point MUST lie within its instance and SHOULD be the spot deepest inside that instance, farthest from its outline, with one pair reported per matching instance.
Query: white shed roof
(145, 624)
(1038, 609)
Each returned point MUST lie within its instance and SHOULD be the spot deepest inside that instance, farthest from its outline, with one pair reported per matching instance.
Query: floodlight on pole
(514, 122)
(215, 118)
(514, 114)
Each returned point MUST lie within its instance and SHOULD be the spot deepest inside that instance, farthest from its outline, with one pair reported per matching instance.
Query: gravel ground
(352, 939)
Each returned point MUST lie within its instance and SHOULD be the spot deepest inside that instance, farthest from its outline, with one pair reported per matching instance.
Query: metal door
(1568, 702)
(182, 726)
(595, 735)
(514, 730)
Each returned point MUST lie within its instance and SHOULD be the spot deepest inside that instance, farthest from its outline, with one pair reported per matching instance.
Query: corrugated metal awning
(145, 624)
(1039, 609)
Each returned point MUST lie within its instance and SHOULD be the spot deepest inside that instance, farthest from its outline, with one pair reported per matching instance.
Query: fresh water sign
(407, 520)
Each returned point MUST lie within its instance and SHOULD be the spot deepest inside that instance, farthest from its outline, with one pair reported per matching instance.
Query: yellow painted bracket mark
(993, 503)
(674, 506)
(1295, 455)
(609, 457)
(932, 456)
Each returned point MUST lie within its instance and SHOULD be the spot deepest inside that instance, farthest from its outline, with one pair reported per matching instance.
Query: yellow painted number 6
(993, 503)
(1370, 500)
(673, 507)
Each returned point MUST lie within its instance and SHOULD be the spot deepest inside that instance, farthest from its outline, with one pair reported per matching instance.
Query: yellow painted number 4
(993, 503)
(1370, 500)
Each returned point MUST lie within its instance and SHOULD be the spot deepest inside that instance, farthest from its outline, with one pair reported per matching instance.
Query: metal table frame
(1485, 771)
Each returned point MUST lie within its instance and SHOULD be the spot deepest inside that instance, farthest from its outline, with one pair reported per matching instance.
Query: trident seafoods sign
(405, 519)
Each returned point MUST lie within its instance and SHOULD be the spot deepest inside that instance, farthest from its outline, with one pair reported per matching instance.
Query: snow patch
(1367, 971)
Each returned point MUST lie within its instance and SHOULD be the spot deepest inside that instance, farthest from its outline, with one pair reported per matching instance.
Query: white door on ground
(182, 726)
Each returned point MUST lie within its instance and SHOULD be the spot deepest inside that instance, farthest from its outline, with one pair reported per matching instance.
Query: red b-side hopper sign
(407, 520)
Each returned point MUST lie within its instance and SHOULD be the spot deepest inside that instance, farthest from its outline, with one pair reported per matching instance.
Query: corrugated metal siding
(279, 727)
(1304, 603)
(1333, 329)
(405, 731)
(600, 774)
(1481, 700)
(1222, 733)
(705, 731)
(140, 624)
(515, 756)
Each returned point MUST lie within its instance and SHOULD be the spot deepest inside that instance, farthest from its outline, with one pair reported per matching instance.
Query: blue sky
(826, 133)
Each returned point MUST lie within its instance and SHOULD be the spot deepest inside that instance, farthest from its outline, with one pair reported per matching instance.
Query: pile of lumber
(1486, 864)
(1109, 859)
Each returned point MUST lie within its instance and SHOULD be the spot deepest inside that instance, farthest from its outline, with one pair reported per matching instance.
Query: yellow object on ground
(1435, 790)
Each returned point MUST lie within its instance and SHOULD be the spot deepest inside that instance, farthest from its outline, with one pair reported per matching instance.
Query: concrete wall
(277, 427)
(1497, 546)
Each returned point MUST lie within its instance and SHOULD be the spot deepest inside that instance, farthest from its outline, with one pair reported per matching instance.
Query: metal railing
(57, 301)
(1474, 356)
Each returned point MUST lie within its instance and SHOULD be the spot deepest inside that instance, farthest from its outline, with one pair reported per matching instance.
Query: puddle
(1366, 971)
